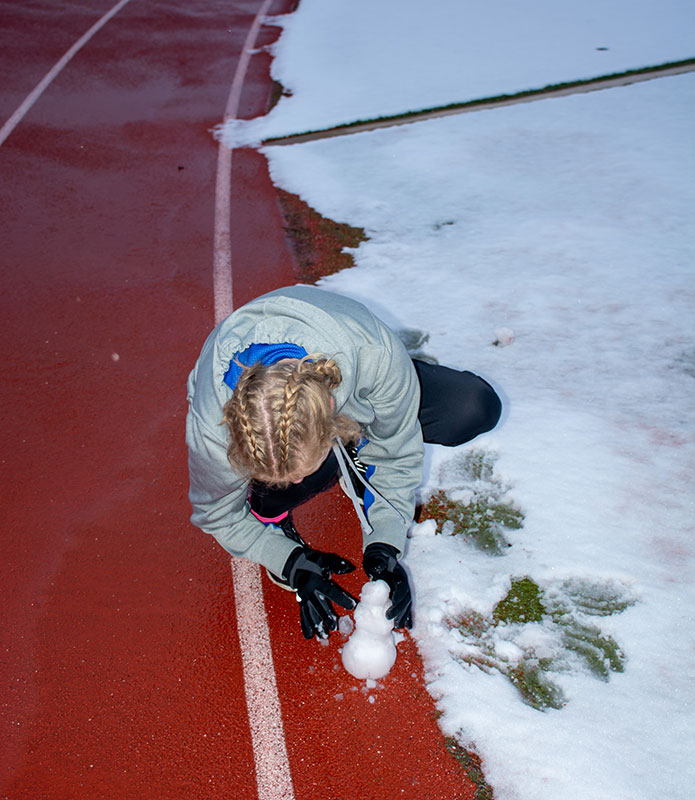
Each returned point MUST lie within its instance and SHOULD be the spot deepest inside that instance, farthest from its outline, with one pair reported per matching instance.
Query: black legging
(455, 407)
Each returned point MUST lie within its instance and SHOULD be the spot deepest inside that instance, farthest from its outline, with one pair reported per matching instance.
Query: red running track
(119, 658)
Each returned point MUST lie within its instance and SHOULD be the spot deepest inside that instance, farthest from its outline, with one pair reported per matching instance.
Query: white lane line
(43, 84)
(273, 778)
(222, 265)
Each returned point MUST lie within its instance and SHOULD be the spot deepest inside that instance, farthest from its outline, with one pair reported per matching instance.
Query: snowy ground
(561, 230)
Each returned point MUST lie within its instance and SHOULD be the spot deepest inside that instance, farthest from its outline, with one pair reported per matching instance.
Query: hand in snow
(309, 572)
(380, 562)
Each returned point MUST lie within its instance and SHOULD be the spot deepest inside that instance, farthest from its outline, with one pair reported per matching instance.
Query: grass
(484, 515)
(600, 653)
(552, 629)
(593, 598)
(535, 687)
(483, 102)
(470, 763)
(567, 639)
(523, 603)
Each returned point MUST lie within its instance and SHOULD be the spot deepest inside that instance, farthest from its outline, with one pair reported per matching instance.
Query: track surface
(119, 658)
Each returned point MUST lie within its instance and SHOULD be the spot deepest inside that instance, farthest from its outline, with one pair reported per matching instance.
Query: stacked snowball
(371, 650)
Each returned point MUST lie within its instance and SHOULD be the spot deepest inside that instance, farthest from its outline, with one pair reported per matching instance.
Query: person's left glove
(308, 571)
(380, 562)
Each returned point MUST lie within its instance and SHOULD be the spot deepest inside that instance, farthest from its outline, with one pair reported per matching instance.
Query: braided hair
(281, 419)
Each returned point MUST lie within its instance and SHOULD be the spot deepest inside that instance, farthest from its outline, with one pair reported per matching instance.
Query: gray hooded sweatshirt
(379, 389)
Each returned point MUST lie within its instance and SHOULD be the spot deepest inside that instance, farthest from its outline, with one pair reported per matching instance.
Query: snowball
(503, 337)
(345, 625)
(426, 528)
(371, 650)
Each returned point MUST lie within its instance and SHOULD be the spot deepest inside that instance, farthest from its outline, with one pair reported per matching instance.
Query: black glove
(309, 571)
(380, 562)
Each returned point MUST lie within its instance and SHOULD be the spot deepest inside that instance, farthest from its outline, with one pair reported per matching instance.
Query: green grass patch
(599, 652)
(484, 514)
(471, 765)
(561, 638)
(535, 687)
(593, 598)
(523, 603)
(533, 634)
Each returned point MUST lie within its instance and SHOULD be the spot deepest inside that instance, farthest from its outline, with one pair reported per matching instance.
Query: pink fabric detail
(270, 519)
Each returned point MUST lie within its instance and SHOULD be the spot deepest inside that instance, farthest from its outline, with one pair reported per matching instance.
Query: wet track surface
(121, 669)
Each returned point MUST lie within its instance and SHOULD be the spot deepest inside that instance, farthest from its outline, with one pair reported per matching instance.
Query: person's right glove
(380, 562)
(308, 572)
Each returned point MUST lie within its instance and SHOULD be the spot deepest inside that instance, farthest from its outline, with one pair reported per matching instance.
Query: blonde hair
(281, 419)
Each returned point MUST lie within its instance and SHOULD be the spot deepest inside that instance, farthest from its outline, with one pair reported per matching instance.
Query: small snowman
(371, 650)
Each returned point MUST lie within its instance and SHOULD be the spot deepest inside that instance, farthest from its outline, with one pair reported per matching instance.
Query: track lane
(33, 96)
(122, 647)
(119, 640)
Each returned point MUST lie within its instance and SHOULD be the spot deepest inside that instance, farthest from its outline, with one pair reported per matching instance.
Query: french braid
(287, 421)
(281, 421)
(243, 415)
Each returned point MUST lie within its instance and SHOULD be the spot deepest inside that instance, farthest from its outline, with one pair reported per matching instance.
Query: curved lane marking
(222, 267)
(48, 78)
(273, 778)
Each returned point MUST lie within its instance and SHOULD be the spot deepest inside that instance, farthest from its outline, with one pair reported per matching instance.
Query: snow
(548, 247)
(370, 652)
(345, 61)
